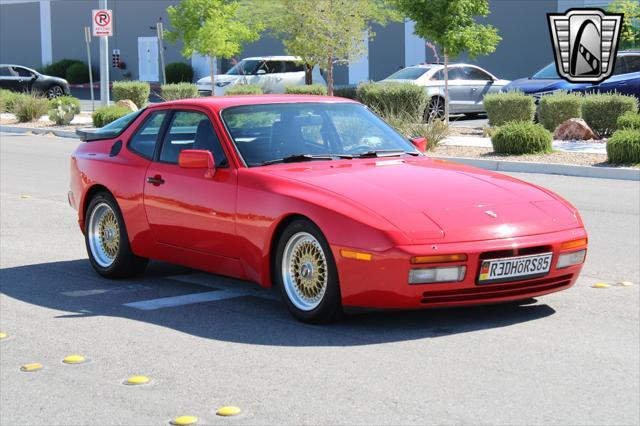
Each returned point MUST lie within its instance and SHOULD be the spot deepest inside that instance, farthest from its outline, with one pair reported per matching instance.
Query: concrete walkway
(480, 142)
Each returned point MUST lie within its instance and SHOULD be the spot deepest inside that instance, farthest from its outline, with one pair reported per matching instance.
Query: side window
(456, 74)
(475, 74)
(620, 66)
(273, 67)
(191, 130)
(143, 141)
(22, 72)
(633, 63)
(291, 66)
(4, 72)
(438, 76)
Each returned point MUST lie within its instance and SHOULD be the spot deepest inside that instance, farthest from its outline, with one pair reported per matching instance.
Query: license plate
(513, 268)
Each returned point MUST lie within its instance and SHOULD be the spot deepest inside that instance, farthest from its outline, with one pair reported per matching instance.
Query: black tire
(55, 91)
(330, 307)
(435, 109)
(125, 263)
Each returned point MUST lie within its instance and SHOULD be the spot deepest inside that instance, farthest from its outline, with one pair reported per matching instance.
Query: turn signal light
(441, 258)
(573, 244)
(358, 255)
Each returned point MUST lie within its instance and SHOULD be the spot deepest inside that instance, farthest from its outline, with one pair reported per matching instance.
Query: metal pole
(87, 39)
(104, 64)
(160, 29)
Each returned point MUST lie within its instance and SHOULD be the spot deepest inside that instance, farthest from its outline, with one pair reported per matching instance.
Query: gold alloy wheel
(304, 271)
(104, 235)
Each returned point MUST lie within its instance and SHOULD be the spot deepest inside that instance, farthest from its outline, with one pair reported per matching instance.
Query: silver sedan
(467, 86)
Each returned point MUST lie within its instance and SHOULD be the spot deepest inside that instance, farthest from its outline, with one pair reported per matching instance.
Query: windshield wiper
(385, 153)
(297, 158)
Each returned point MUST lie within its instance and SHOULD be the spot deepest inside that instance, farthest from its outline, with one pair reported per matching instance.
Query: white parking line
(186, 299)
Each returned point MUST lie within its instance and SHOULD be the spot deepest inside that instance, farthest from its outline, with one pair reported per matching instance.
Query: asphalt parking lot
(569, 358)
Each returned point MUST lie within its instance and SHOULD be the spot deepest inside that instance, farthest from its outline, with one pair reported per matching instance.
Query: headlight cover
(437, 275)
(570, 259)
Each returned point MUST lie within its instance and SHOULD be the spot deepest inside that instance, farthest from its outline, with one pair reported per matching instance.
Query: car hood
(433, 200)
(220, 78)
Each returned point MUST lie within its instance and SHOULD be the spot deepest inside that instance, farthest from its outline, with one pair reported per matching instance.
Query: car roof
(219, 103)
(274, 58)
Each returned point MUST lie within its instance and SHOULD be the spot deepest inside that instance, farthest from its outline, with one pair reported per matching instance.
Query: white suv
(271, 73)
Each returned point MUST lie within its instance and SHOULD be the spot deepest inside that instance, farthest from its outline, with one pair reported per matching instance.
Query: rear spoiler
(93, 134)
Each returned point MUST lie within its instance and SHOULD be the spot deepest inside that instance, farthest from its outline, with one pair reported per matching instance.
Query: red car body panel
(393, 208)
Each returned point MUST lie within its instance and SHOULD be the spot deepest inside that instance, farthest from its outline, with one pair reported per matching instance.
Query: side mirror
(420, 143)
(260, 72)
(197, 159)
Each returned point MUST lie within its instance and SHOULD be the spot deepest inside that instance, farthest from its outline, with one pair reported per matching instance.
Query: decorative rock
(126, 103)
(574, 129)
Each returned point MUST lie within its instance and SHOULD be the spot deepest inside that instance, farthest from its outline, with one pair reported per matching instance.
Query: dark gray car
(22, 79)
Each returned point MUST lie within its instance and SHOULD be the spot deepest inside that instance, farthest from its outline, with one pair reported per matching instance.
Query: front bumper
(382, 283)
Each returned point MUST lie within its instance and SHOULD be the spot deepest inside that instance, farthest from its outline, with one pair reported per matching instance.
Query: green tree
(323, 32)
(630, 31)
(213, 28)
(452, 25)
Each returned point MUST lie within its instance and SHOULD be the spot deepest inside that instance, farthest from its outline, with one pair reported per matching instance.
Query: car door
(459, 91)
(185, 208)
(273, 81)
(293, 74)
(480, 83)
(626, 77)
(25, 79)
(9, 79)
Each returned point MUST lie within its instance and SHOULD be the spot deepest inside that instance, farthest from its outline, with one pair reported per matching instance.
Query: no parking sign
(102, 20)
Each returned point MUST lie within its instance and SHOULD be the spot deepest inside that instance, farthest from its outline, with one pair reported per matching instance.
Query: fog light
(570, 259)
(437, 275)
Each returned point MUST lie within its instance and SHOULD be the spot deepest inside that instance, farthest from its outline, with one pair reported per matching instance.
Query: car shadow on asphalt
(75, 289)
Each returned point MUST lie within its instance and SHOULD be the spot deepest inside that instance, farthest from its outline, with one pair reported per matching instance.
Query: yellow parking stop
(184, 420)
(137, 380)
(31, 367)
(600, 285)
(228, 411)
(74, 359)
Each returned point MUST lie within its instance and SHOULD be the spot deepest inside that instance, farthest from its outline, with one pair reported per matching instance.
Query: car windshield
(117, 126)
(547, 73)
(245, 67)
(411, 73)
(292, 132)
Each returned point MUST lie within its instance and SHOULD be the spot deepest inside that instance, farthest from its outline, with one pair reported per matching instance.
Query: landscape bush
(30, 107)
(173, 91)
(624, 147)
(405, 99)
(135, 91)
(601, 111)
(78, 73)
(405, 124)
(348, 92)
(65, 100)
(629, 120)
(313, 89)
(178, 72)
(8, 99)
(244, 89)
(63, 109)
(105, 115)
(522, 137)
(59, 69)
(557, 108)
(510, 106)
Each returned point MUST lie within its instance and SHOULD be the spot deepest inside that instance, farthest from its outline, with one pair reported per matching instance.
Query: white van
(271, 73)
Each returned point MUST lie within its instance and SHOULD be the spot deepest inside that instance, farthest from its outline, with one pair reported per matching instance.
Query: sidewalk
(480, 142)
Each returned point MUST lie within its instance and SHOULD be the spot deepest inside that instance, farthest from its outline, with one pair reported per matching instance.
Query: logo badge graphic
(491, 213)
(585, 42)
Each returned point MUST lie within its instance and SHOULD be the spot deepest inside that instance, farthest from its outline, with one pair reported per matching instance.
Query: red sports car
(320, 198)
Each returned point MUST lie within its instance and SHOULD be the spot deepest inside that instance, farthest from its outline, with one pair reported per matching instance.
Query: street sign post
(160, 29)
(102, 22)
(87, 39)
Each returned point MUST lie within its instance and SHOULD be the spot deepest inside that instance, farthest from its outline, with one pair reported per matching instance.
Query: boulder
(126, 103)
(574, 129)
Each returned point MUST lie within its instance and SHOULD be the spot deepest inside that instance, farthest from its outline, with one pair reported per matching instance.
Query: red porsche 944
(320, 198)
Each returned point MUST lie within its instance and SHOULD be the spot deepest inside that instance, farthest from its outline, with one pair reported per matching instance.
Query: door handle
(155, 180)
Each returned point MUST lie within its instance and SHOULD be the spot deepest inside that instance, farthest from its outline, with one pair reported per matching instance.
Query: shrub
(59, 69)
(136, 91)
(65, 100)
(170, 92)
(78, 73)
(30, 107)
(521, 138)
(624, 147)
(601, 111)
(394, 98)
(509, 106)
(313, 89)
(178, 72)
(244, 89)
(348, 92)
(105, 115)
(63, 109)
(405, 124)
(9, 98)
(629, 120)
(557, 108)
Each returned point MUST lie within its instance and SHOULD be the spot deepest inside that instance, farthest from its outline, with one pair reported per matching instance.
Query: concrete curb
(39, 131)
(550, 169)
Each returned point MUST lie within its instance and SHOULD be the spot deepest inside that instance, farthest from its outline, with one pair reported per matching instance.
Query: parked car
(22, 79)
(625, 79)
(320, 198)
(271, 73)
(467, 86)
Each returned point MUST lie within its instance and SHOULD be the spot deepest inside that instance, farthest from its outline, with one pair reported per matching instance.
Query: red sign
(102, 23)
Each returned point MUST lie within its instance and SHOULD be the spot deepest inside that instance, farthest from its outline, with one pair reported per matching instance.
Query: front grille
(493, 291)
(522, 251)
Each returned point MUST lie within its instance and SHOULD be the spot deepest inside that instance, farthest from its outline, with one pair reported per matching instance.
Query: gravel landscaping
(556, 157)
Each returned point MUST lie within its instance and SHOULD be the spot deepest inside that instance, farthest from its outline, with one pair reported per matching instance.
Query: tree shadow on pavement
(75, 289)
